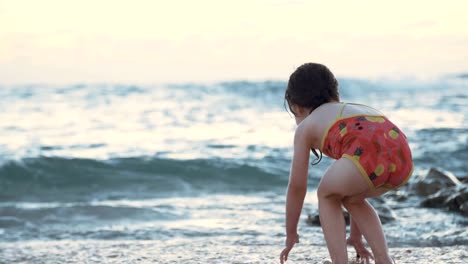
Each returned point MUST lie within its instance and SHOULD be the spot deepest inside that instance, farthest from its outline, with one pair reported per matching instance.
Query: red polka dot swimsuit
(374, 144)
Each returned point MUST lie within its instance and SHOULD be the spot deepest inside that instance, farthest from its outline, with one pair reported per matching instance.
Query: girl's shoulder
(351, 109)
(318, 121)
(327, 111)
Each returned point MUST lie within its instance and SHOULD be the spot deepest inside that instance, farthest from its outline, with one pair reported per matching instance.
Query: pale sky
(154, 41)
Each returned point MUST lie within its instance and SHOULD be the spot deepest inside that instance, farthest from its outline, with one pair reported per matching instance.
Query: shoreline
(176, 251)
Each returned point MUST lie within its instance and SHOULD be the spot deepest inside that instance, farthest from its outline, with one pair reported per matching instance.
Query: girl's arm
(355, 240)
(297, 187)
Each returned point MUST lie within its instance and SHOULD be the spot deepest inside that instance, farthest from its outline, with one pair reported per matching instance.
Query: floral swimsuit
(374, 144)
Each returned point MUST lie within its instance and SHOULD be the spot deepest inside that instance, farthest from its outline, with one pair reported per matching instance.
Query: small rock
(464, 208)
(464, 179)
(314, 218)
(454, 199)
(434, 181)
(457, 199)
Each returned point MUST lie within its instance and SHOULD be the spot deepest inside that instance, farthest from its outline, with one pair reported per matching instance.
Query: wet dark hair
(310, 86)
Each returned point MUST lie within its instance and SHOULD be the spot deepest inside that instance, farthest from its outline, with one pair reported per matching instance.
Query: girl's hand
(363, 254)
(290, 241)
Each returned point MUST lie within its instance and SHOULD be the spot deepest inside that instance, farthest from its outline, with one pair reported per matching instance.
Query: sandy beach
(178, 252)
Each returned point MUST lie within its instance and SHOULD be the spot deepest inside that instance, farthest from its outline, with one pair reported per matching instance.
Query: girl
(372, 157)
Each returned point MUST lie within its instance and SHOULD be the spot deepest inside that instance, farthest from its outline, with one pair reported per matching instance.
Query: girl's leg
(334, 227)
(343, 183)
(368, 222)
(355, 233)
(355, 240)
(338, 183)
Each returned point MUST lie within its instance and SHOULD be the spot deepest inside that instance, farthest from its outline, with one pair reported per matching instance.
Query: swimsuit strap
(338, 116)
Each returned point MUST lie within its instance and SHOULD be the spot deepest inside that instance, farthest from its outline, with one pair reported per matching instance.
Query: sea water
(190, 162)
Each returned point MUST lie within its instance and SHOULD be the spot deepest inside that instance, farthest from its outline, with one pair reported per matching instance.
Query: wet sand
(38, 252)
